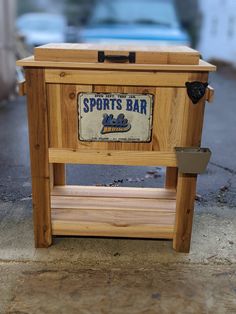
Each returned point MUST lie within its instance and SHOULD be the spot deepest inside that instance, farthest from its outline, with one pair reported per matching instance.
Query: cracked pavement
(104, 275)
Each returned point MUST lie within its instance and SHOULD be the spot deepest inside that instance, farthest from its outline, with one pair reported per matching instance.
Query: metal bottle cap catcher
(196, 90)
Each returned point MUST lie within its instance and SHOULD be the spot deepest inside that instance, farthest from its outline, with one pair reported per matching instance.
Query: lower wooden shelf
(113, 211)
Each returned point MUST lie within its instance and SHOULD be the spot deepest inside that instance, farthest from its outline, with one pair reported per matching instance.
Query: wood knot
(37, 146)
(62, 74)
(72, 95)
(120, 225)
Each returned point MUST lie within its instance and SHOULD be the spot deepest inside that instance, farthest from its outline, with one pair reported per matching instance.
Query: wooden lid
(96, 53)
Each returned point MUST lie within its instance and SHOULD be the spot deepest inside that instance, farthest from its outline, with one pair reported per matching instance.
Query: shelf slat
(104, 191)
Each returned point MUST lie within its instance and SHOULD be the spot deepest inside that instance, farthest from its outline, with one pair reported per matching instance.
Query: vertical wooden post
(186, 190)
(171, 177)
(186, 186)
(38, 139)
(59, 174)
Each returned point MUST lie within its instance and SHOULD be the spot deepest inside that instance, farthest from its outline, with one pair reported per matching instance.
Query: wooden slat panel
(129, 158)
(67, 76)
(124, 192)
(63, 116)
(69, 109)
(69, 127)
(114, 217)
(72, 228)
(167, 118)
(54, 109)
(114, 203)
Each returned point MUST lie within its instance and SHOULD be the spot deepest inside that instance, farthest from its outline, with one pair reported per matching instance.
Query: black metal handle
(116, 58)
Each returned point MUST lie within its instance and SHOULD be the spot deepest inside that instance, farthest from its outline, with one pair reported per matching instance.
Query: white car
(41, 28)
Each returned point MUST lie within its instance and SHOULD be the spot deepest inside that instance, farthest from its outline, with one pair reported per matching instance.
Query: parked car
(41, 28)
(151, 22)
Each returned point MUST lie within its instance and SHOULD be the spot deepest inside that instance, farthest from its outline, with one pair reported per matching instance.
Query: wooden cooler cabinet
(96, 104)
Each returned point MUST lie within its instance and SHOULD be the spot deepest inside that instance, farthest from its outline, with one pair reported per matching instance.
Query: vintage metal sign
(115, 117)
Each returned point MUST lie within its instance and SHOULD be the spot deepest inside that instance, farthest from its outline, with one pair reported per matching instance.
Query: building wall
(7, 50)
(218, 30)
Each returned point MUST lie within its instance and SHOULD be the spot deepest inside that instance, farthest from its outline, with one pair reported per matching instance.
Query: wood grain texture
(112, 157)
(193, 117)
(112, 216)
(59, 174)
(124, 192)
(167, 118)
(186, 191)
(191, 134)
(63, 115)
(203, 66)
(98, 77)
(38, 138)
(89, 53)
(112, 203)
(134, 230)
(171, 177)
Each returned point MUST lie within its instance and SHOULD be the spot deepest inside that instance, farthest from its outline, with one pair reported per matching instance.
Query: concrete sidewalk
(104, 275)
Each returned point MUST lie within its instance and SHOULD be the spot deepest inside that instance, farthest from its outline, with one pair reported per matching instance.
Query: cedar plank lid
(97, 53)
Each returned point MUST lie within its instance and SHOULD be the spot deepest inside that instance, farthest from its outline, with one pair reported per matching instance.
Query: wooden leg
(171, 177)
(38, 139)
(59, 172)
(186, 190)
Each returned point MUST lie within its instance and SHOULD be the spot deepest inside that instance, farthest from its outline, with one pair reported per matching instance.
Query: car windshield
(152, 12)
(41, 24)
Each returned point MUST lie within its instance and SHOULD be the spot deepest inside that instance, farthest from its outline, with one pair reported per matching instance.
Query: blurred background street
(98, 275)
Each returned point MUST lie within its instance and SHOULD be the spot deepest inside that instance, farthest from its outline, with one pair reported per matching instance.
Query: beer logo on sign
(115, 125)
